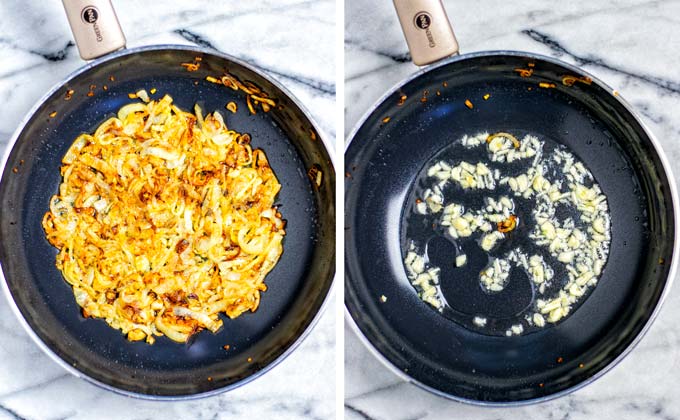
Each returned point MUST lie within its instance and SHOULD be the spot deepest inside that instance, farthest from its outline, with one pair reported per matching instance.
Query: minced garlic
(580, 243)
(425, 279)
(461, 260)
(479, 321)
(493, 278)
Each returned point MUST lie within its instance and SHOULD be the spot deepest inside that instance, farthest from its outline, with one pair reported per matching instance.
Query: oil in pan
(505, 233)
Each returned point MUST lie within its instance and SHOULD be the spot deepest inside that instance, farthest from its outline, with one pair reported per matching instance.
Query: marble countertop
(632, 46)
(293, 41)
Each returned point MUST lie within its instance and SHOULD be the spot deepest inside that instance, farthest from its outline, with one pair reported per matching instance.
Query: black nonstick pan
(420, 117)
(297, 287)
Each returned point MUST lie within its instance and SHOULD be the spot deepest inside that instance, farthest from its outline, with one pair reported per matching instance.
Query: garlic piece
(489, 240)
(538, 319)
(479, 321)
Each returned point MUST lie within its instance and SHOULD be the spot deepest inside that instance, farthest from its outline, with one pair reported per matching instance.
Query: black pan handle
(95, 27)
(427, 30)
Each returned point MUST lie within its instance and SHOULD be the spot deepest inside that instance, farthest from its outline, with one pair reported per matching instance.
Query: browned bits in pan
(386, 120)
(93, 87)
(90, 94)
(15, 170)
(21, 162)
(570, 80)
(662, 261)
(438, 93)
(546, 85)
(423, 99)
(581, 365)
(560, 359)
(531, 64)
(524, 72)
(468, 104)
(402, 99)
(508, 224)
(348, 175)
(209, 378)
(312, 135)
(231, 106)
(541, 385)
(315, 174)
(105, 87)
(111, 78)
(132, 95)
(69, 94)
(530, 88)
(193, 66)
(445, 84)
(254, 95)
(226, 346)
(486, 96)
(53, 114)
(181, 246)
(152, 91)
(615, 93)
(250, 359)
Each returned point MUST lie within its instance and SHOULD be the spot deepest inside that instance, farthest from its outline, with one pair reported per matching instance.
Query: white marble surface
(293, 40)
(632, 45)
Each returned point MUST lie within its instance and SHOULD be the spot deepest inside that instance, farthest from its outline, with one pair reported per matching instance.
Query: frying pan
(44, 302)
(382, 161)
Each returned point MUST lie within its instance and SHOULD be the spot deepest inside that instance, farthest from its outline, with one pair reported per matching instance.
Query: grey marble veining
(632, 46)
(293, 41)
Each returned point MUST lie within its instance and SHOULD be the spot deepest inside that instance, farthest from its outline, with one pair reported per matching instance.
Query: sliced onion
(130, 109)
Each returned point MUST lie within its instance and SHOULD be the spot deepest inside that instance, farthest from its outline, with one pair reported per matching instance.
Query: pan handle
(95, 27)
(427, 30)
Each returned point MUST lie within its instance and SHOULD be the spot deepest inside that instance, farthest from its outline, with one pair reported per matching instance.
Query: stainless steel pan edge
(676, 234)
(15, 309)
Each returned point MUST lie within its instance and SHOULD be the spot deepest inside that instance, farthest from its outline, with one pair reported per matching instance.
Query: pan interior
(297, 286)
(383, 161)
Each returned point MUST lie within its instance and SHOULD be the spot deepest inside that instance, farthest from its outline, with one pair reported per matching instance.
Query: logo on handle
(90, 14)
(423, 20)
